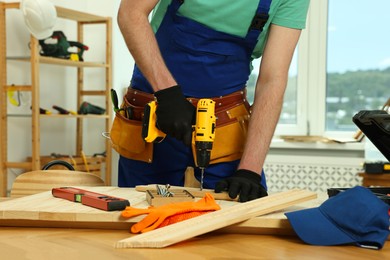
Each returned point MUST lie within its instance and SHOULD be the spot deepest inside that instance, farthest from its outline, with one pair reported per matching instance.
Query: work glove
(244, 183)
(175, 114)
(170, 213)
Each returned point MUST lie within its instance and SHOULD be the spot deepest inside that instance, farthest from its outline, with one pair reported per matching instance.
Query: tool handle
(63, 111)
(114, 98)
(150, 132)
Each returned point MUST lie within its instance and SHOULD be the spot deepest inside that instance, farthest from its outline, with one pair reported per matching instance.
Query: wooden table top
(57, 243)
(82, 243)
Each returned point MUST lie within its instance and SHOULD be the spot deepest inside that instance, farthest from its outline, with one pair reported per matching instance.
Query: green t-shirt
(235, 16)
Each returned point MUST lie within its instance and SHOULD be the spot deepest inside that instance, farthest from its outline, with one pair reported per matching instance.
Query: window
(341, 66)
(358, 60)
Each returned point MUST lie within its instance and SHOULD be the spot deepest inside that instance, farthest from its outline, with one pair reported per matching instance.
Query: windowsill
(281, 144)
(336, 151)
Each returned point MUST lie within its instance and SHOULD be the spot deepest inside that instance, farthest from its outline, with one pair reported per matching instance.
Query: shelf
(69, 14)
(60, 116)
(19, 115)
(19, 165)
(81, 20)
(73, 116)
(61, 62)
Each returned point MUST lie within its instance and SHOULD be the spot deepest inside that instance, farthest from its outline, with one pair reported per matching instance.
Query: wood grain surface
(43, 210)
(189, 228)
(58, 243)
(39, 181)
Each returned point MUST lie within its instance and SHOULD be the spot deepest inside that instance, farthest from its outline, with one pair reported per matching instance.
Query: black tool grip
(114, 98)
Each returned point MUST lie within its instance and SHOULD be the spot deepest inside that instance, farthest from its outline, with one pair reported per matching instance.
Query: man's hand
(175, 114)
(244, 183)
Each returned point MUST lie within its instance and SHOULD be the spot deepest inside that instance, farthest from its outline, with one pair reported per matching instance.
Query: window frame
(311, 77)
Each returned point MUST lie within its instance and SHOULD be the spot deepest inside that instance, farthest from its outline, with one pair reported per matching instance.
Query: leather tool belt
(232, 115)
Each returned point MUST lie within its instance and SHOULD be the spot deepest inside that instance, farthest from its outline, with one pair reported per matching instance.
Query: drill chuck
(203, 152)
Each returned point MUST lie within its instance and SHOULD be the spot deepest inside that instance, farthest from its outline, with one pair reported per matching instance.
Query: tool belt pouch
(126, 137)
(230, 133)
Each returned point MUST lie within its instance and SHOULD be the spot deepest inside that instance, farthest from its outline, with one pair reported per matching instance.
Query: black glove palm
(243, 182)
(175, 114)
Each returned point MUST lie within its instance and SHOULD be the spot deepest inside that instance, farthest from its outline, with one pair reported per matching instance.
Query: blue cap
(352, 216)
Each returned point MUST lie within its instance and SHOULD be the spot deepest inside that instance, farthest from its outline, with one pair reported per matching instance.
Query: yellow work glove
(170, 213)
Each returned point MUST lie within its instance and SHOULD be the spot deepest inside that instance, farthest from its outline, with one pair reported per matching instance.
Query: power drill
(204, 134)
(203, 131)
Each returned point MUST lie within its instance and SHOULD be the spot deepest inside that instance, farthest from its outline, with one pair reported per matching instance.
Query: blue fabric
(205, 63)
(353, 216)
(262, 11)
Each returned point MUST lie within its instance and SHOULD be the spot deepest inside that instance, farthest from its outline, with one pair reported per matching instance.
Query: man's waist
(224, 105)
(140, 98)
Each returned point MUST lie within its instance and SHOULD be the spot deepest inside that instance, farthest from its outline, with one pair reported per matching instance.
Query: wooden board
(189, 228)
(43, 210)
(39, 181)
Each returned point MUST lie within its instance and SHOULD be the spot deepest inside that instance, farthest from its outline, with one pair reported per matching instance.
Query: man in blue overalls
(203, 49)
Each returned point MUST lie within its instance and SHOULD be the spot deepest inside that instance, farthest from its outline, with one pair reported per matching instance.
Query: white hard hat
(39, 16)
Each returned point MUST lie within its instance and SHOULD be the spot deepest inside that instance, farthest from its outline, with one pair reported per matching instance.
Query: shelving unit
(82, 19)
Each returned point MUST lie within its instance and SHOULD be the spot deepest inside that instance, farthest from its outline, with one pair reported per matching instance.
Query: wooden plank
(44, 207)
(35, 103)
(38, 211)
(70, 116)
(181, 231)
(79, 16)
(62, 62)
(19, 165)
(3, 103)
(18, 88)
(109, 112)
(40, 181)
(196, 192)
(11, 5)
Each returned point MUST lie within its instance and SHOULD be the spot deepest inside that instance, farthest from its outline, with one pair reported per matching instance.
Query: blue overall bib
(205, 63)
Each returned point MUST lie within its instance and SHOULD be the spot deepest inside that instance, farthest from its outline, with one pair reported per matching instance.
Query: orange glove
(170, 213)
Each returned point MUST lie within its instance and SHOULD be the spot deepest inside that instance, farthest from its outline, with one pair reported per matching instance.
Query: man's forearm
(264, 117)
(141, 42)
(270, 89)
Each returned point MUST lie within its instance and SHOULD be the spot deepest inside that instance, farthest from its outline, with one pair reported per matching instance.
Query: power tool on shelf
(64, 111)
(203, 131)
(58, 46)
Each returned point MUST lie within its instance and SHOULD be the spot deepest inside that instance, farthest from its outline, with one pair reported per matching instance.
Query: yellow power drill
(203, 131)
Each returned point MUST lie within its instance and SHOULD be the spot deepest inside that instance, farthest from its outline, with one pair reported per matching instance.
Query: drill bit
(201, 178)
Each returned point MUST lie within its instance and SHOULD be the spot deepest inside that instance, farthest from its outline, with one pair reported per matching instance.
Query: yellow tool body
(150, 133)
(204, 134)
(203, 130)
